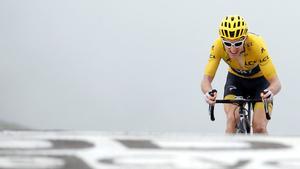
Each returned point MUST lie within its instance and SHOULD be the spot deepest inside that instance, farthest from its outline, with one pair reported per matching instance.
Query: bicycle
(244, 125)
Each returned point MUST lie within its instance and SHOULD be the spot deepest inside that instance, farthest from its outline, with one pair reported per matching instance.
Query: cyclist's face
(234, 47)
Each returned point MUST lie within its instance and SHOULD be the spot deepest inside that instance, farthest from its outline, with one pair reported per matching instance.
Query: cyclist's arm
(206, 83)
(268, 69)
(211, 67)
(269, 72)
(275, 84)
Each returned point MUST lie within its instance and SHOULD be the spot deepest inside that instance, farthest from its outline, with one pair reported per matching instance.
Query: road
(101, 150)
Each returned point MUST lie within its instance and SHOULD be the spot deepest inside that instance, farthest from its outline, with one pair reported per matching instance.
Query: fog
(132, 65)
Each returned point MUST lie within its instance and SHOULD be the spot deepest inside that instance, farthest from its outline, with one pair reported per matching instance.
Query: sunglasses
(234, 44)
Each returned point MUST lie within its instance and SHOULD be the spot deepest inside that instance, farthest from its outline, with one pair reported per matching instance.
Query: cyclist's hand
(267, 95)
(210, 96)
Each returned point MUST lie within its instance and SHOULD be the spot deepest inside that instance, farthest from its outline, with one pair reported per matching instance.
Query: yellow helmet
(233, 27)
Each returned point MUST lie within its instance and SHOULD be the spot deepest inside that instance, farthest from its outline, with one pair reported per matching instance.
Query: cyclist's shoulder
(217, 45)
(255, 41)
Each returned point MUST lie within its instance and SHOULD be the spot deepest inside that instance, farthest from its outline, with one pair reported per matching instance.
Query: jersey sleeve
(213, 61)
(265, 62)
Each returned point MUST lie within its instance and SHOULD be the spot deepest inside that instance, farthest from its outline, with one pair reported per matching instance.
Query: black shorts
(248, 88)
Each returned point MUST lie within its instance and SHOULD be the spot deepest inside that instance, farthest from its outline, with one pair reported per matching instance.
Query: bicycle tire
(241, 127)
(247, 125)
(244, 126)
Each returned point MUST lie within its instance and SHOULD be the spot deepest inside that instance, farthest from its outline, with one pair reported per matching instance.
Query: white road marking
(95, 150)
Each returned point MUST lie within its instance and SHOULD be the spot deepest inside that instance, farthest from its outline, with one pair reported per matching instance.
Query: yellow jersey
(255, 57)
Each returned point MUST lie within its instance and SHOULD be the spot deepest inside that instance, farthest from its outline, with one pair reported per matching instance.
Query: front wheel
(247, 125)
(243, 127)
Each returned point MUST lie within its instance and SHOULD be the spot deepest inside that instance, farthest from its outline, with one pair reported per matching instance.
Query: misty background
(133, 65)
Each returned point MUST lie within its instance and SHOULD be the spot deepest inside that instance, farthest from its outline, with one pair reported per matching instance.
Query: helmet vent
(226, 33)
(231, 34)
(232, 18)
(237, 33)
(239, 24)
(242, 31)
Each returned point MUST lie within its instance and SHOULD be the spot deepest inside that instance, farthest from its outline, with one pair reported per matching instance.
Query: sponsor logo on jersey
(212, 56)
(249, 44)
(250, 63)
(264, 60)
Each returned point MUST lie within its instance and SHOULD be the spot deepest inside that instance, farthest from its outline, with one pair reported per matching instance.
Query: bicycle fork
(244, 125)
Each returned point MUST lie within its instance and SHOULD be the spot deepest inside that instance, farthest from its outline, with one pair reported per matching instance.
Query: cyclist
(250, 71)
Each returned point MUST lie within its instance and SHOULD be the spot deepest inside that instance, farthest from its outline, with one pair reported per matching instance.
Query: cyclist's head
(233, 27)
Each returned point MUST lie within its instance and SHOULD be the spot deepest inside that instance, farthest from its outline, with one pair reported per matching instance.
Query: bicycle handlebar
(239, 101)
(212, 107)
(211, 112)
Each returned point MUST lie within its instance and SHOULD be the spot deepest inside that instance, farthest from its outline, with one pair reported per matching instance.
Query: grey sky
(131, 65)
